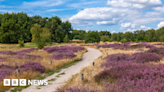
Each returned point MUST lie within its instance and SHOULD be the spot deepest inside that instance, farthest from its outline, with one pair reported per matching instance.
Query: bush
(123, 40)
(5, 70)
(92, 37)
(144, 57)
(35, 66)
(105, 38)
(66, 39)
(115, 59)
(76, 37)
(132, 77)
(21, 43)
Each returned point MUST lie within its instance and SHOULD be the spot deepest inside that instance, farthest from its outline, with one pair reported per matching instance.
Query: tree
(76, 37)
(92, 37)
(128, 36)
(66, 39)
(105, 33)
(81, 34)
(161, 38)
(55, 29)
(123, 40)
(66, 29)
(114, 36)
(119, 36)
(40, 36)
(105, 38)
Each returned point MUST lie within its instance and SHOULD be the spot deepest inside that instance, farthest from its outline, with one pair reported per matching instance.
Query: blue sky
(111, 15)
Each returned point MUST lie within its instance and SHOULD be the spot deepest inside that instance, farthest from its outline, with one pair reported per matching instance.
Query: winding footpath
(87, 59)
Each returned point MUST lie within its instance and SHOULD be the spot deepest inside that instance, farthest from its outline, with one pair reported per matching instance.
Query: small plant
(21, 43)
(52, 79)
(66, 39)
(62, 73)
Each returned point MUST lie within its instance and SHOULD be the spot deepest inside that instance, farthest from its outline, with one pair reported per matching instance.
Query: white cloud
(113, 15)
(132, 30)
(161, 24)
(103, 15)
(117, 3)
(144, 27)
(82, 4)
(161, 9)
(135, 3)
(43, 3)
(53, 10)
(127, 25)
(113, 32)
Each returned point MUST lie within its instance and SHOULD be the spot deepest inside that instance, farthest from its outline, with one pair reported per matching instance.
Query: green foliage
(114, 36)
(105, 38)
(21, 43)
(123, 40)
(66, 39)
(105, 33)
(146, 38)
(92, 37)
(76, 37)
(40, 36)
(80, 34)
(161, 38)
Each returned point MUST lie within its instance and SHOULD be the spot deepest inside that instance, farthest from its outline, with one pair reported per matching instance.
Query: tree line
(150, 35)
(18, 27)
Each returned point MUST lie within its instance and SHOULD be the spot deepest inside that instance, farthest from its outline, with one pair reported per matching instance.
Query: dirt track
(87, 59)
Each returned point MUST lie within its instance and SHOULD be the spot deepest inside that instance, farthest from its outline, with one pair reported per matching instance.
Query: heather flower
(144, 57)
(5, 70)
(35, 66)
(156, 50)
(62, 55)
(8, 52)
(114, 59)
(77, 89)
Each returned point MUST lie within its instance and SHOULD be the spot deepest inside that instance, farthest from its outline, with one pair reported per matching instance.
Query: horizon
(112, 15)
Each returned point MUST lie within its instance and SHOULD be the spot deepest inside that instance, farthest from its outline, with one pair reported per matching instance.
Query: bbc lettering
(23, 82)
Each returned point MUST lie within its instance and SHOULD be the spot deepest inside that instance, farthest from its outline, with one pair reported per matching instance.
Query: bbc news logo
(23, 82)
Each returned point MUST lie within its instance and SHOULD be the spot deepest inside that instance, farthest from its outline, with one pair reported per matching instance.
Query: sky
(112, 15)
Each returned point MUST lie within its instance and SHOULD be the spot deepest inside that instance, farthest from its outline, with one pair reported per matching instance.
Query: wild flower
(114, 59)
(35, 66)
(8, 52)
(5, 70)
(144, 57)
(61, 55)
(77, 89)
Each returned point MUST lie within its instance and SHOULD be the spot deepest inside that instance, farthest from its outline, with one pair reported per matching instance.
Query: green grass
(62, 73)
(53, 79)
(32, 45)
(57, 76)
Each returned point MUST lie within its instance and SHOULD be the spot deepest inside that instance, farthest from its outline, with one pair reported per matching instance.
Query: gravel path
(87, 59)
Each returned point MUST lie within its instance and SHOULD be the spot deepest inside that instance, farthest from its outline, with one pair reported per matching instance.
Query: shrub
(135, 78)
(62, 55)
(105, 38)
(115, 59)
(5, 70)
(8, 52)
(144, 57)
(66, 39)
(92, 37)
(21, 43)
(35, 66)
(123, 40)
